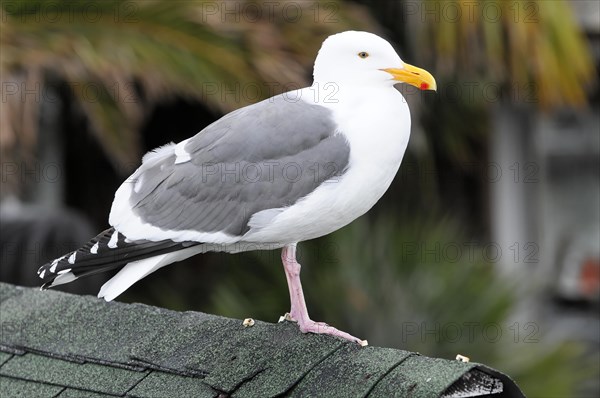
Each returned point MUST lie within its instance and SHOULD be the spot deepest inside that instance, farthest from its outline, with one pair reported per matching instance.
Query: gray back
(264, 156)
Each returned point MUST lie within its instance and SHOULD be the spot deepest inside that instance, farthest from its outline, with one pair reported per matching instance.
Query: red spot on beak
(424, 86)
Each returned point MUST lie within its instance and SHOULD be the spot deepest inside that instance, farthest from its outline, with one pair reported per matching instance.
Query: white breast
(378, 132)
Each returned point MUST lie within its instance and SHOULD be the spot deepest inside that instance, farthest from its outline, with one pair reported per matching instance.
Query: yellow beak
(417, 77)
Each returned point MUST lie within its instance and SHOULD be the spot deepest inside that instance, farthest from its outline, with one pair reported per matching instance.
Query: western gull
(291, 168)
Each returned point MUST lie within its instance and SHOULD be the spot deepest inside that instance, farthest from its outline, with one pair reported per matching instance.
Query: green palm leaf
(119, 58)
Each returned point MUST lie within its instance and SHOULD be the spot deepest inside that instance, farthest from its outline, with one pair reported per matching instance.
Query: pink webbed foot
(311, 326)
(298, 312)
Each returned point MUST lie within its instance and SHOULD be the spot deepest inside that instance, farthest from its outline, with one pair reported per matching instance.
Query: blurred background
(488, 242)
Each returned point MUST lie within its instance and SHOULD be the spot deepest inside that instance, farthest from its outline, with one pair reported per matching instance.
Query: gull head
(362, 58)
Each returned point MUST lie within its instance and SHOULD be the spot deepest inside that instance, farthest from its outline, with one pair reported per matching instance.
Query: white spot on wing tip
(94, 249)
(112, 243)
(42, 274)
(72, 257)
(55, 263)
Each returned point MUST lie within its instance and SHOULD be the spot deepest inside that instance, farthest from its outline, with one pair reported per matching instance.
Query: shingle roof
(56, 344)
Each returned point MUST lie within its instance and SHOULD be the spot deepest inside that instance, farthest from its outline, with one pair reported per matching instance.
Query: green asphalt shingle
(253, 352)
(7, 291)
(351, 371)
(75, 328)
(58, 344)
(87, 376)
(4, 357)
(175, 352)
(420, 376)
(73, 393)
(286, 347)
(160, 385)
(17, 388)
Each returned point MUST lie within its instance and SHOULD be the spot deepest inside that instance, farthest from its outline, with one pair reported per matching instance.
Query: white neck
(376, 120)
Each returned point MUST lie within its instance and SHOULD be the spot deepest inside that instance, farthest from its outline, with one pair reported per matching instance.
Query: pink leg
(298, 312)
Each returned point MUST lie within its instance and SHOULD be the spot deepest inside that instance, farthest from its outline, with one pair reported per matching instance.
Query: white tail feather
(136, 270)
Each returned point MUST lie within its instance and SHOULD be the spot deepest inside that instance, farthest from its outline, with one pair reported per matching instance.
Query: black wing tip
(98, 256)
(43, 270)
(51, 270)
(46, 276)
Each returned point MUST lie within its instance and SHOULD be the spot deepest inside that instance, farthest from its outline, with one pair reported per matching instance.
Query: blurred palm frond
(120, 57)
(532, 46)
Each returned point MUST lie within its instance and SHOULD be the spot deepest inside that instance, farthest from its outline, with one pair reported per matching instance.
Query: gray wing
(265, 156)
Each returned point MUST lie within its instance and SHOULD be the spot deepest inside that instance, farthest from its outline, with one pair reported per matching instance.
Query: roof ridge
(116, 348)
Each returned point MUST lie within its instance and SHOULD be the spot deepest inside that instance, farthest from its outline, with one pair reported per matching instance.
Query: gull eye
(363, 54)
